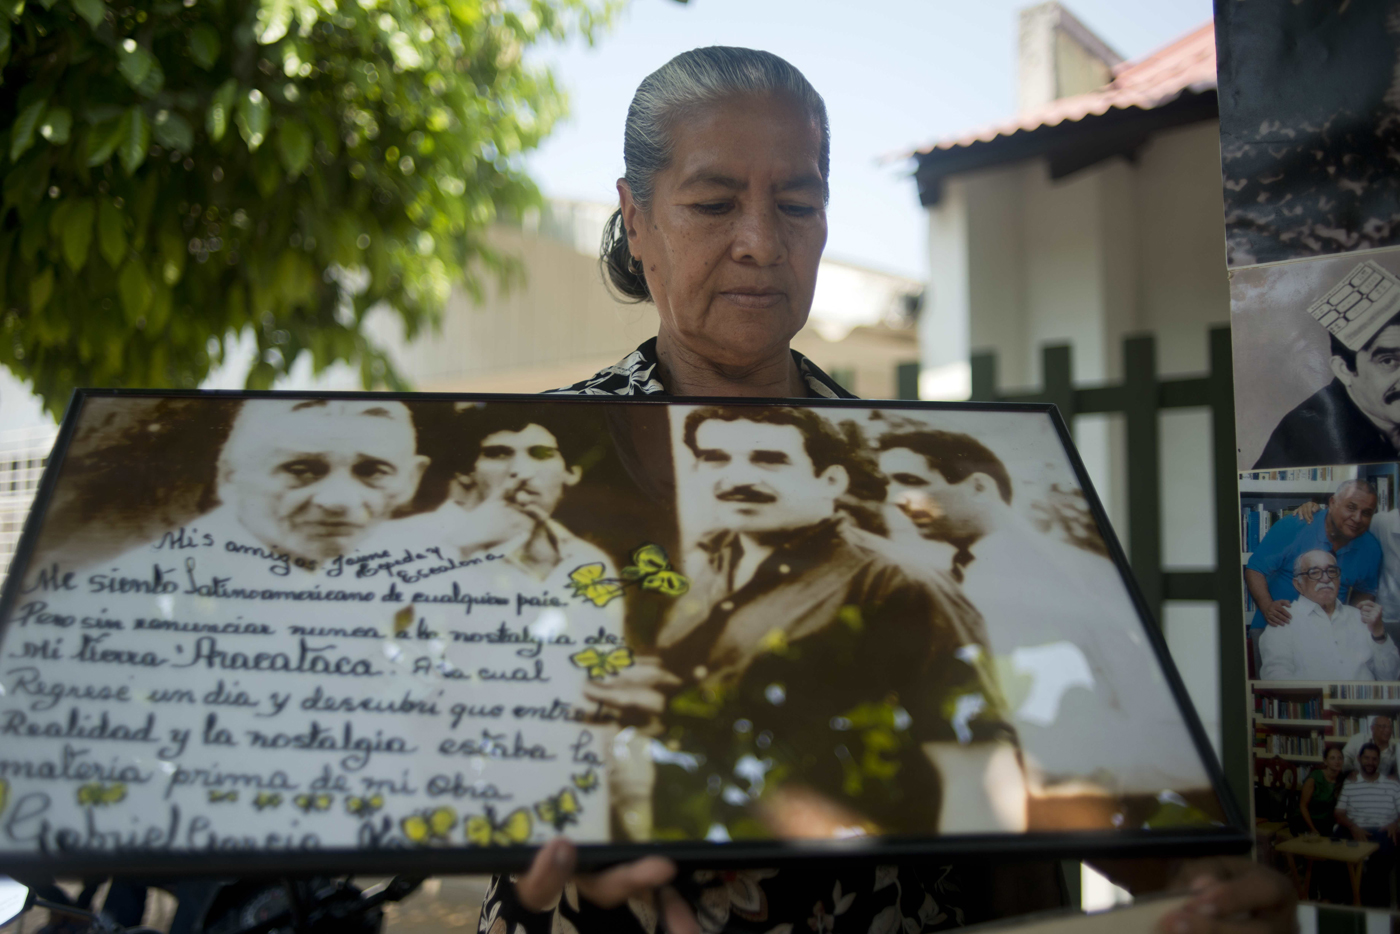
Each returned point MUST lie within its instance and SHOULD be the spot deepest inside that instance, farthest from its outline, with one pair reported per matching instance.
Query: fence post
(906, 380)
(984, 377)
(1059, 385)
(1234, 724)
(1144, 481)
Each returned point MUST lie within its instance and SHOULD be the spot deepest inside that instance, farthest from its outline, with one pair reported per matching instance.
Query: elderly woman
(722, 225)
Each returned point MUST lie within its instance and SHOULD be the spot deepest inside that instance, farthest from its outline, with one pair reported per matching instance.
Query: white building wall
(1018, 261)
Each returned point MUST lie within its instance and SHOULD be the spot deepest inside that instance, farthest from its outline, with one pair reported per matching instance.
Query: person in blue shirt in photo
(1344, 531)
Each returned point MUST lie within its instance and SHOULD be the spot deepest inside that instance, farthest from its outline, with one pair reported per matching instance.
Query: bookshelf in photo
(1295, 720)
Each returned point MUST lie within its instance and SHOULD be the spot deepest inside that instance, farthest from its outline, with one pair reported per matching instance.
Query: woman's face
(732, 239)
(1334, 758)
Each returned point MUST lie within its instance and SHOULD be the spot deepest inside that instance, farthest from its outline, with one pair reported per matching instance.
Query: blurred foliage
(176, 172)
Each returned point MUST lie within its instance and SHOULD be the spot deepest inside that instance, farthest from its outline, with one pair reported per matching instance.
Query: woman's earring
(634, 265)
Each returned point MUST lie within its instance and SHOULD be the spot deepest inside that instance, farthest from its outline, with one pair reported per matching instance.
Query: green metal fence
(1139, 398)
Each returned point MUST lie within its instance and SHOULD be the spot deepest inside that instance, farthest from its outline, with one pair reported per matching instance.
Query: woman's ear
(630, 215)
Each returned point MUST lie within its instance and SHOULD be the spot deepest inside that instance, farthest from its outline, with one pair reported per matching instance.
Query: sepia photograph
(360, 622)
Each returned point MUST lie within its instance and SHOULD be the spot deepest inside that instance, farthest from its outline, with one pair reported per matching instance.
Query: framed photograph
(370, 632)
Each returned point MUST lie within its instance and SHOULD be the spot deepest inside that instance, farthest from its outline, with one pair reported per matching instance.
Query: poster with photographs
(1322, 612)
(291, 628)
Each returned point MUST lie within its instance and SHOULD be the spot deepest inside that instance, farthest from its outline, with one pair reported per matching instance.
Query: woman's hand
(1234, 895)
(540, 888)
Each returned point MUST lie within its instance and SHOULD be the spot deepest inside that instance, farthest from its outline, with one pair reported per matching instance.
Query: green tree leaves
(57, 124)
(252, 117)
(221, 110)
(134, 62)
(294, 146)
(173, 131)
(72, 223)
(136, 139)
(111, 233)
(94, 11)
(22, 132)
(204, 46)
(375, 140)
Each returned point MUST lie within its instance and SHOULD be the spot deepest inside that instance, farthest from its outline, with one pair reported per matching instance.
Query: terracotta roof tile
(1187, 64)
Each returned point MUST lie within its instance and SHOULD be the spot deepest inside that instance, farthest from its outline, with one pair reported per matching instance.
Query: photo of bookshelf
(1294, 724)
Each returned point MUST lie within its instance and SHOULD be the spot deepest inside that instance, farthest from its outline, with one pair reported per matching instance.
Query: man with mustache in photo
(1324, 639)
(1355, 419)
(806, 686)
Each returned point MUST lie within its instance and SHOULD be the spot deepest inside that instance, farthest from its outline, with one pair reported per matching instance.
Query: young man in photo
(1325, 639)
(1369, 809)
(1344, 531)
(1058, 616)
(509, 474)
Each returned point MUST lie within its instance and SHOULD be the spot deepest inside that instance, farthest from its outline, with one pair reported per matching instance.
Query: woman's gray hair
(691, 80)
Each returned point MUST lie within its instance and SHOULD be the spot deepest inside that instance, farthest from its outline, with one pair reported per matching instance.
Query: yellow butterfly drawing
(100, 795)
(429, 826)
(317, 802)
(4, 794)
(217, 796)
(602, 665)
(403, 620)
(267, 799)
(482, 829)
(586, 782)
(364, 807)
(561, 810)
(653, 569)
(588, 582)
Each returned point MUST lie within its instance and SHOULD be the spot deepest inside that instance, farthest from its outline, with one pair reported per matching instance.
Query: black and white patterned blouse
(635, 375)
(913, 896)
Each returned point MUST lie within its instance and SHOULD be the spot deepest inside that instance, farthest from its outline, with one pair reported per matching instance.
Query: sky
(896, 74)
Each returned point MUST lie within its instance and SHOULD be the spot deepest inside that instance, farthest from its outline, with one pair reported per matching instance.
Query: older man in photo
(1344, 532)
(311, 479)
(300, 485)
(1325, 639)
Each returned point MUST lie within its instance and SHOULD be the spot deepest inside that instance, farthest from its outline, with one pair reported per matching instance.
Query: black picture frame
(1231, 836)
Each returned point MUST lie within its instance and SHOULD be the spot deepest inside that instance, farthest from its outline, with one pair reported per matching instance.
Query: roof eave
(1069, 146)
